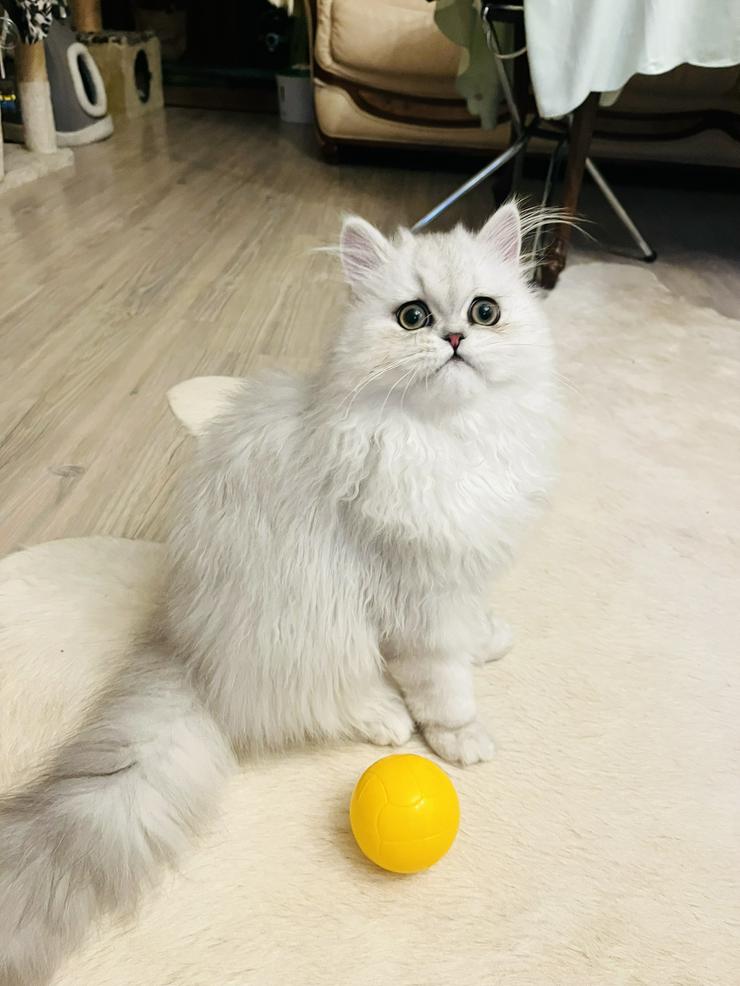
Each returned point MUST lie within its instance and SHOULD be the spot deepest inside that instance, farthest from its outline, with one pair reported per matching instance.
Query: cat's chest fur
(451, 491)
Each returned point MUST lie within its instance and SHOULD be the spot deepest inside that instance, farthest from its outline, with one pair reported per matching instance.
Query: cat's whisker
(557, 375)
(416, 370)
(352, 397)
(393, 387)
(498, 344)
(376, 374)
(568, 384)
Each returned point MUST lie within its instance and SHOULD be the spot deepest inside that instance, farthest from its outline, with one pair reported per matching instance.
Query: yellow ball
(404, 813)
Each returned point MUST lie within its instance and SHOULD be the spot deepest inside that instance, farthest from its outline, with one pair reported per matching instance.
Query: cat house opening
(142, 76)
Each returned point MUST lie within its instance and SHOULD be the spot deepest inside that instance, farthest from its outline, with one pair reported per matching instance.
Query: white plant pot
(295, 95)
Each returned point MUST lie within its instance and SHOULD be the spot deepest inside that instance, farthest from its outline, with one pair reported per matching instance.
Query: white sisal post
(35, 97)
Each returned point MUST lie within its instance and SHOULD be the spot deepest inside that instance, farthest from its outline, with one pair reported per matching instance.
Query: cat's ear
(363, 250)
(503, 232)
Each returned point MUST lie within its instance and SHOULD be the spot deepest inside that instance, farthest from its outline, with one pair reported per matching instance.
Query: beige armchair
(384, 74)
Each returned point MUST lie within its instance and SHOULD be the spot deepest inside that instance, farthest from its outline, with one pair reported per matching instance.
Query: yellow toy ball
(404, 813)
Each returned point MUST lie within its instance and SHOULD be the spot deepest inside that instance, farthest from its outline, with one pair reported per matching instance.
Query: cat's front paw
(498, 641)
(466, 745)
(387, 723)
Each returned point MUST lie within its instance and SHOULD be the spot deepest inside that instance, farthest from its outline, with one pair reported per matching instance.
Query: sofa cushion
(392, 44)
(341, 119)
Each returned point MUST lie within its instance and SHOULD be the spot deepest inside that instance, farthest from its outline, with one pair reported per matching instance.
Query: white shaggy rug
(602, 845)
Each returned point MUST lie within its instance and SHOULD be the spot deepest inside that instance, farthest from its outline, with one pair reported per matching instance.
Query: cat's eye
(413, 315)
(484, 311)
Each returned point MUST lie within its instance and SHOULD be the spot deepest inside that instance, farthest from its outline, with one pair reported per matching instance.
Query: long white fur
(115, 806)
(332, 558)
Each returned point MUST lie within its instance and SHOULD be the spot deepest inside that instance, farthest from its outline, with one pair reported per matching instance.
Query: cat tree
(35, 97)
(130, 62)
(33, 81)
(79, 117)
(40, 156)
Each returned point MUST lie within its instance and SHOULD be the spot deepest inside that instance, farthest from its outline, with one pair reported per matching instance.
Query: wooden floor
(182, 246)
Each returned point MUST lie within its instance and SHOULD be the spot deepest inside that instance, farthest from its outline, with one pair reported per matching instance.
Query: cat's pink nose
(454, 339)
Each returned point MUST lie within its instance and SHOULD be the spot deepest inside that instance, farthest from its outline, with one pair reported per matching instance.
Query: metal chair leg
(511, 152)
(648, 254)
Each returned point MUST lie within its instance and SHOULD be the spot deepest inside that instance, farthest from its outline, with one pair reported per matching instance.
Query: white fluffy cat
(332, 560)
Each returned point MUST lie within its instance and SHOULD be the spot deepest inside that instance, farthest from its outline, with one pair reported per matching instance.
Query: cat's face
(438, 319)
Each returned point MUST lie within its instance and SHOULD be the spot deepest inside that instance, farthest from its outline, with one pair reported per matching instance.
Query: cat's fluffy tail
(117, 804)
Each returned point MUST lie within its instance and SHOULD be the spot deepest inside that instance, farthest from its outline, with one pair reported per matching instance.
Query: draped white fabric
(582, 46)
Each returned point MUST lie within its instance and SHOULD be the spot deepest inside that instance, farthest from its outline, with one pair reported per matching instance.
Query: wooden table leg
(579, 143)
(35, 97)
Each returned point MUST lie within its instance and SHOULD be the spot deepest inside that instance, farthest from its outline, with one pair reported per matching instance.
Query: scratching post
(35, 97)
(86, 15)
